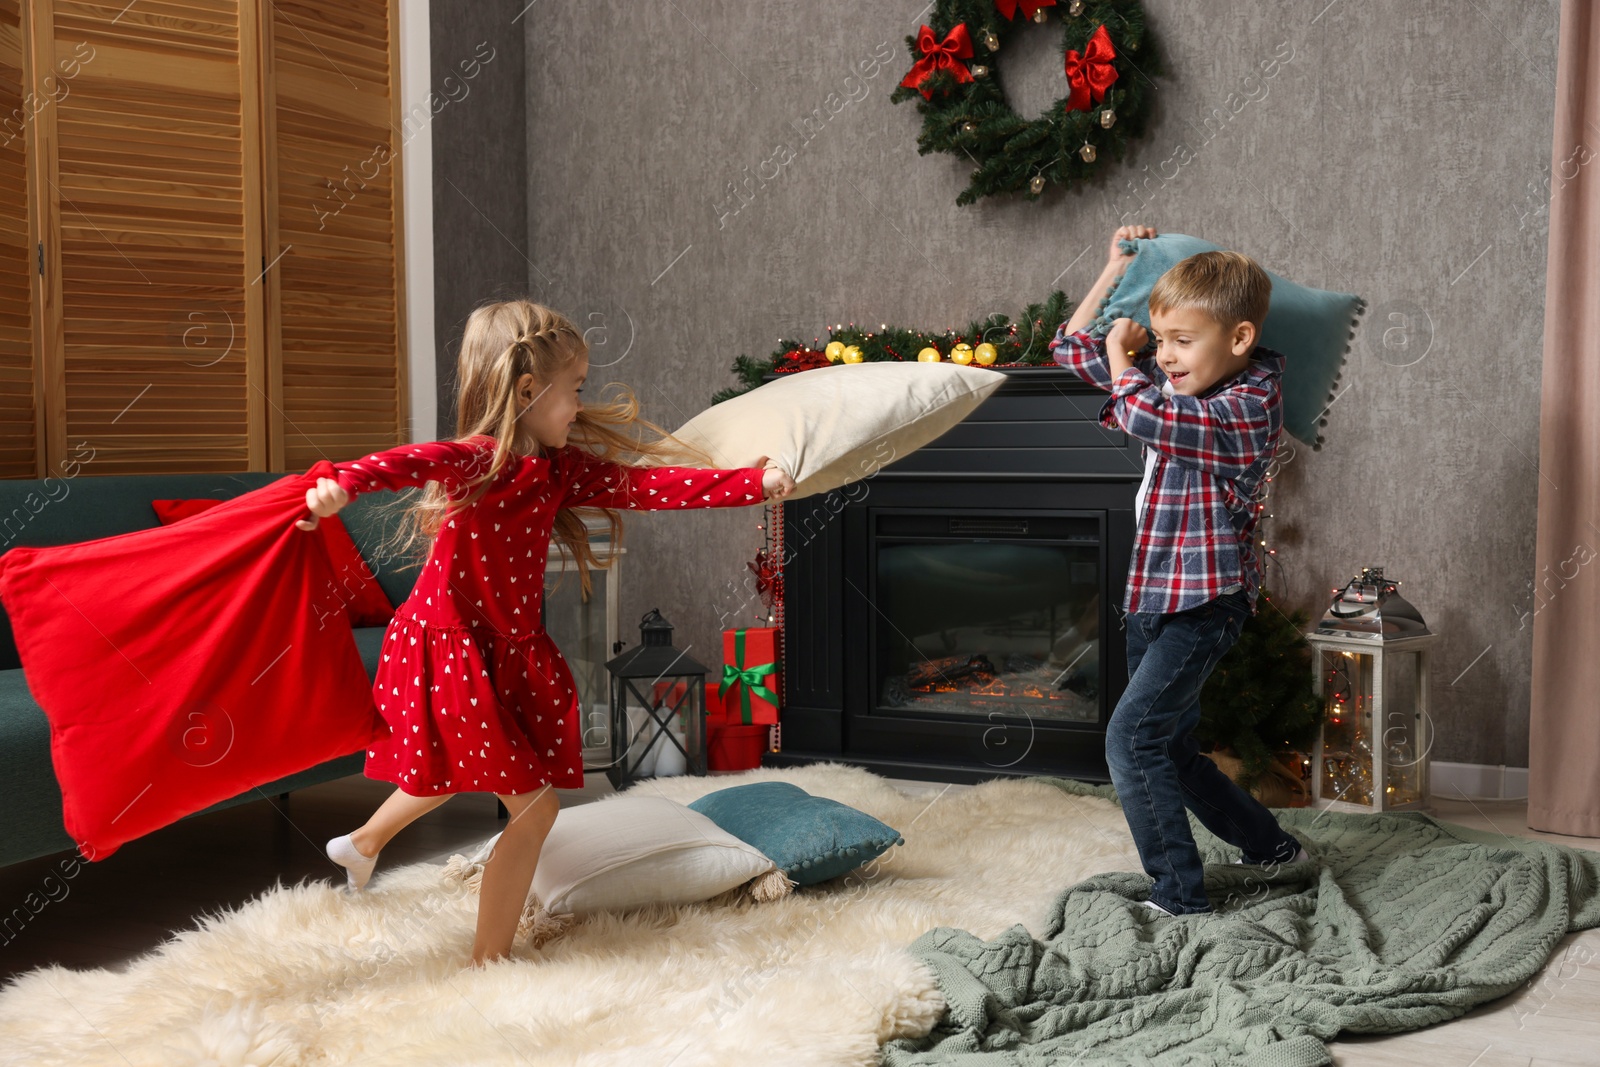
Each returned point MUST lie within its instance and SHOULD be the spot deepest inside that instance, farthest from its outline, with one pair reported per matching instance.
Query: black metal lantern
(660, 681)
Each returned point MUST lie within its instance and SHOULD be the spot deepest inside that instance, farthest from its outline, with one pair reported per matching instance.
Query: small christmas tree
(1260, 701)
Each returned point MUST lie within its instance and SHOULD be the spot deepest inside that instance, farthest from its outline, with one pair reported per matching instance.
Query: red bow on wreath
(940, 55)
(1091, 74)
(1008, 8)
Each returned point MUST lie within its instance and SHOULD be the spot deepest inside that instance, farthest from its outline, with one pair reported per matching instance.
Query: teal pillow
(811, 839)
(1311, 327)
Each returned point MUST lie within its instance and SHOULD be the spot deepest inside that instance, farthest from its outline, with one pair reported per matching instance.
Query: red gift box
(731, 746)
(751, 681)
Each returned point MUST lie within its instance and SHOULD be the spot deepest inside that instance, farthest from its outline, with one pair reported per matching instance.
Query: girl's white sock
(358, 868)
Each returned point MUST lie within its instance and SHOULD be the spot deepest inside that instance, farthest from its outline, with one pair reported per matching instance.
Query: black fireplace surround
(957, 615)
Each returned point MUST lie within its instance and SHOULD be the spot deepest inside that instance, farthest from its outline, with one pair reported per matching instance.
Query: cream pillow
(834, 425)
(627, 852)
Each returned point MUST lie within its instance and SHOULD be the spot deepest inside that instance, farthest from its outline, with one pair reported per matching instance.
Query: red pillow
(182, 665)
(364, 599)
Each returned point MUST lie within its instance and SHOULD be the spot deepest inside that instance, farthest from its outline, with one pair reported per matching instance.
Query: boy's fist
(1126, 335)
(1127, 233)
(323, 499)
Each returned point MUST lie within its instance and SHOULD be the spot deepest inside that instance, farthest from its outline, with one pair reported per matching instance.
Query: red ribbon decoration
(769, 578)
(1008, 8)
(1091, 74)
(940, 55)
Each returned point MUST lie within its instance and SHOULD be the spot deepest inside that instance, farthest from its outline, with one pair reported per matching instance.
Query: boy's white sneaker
(1299, 857)
(358, 868)
(1156, 911)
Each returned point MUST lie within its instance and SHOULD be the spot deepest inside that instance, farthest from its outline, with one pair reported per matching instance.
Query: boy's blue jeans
(1156, 764)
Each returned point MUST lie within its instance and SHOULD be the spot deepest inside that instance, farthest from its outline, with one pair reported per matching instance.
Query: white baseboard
(1495, 781)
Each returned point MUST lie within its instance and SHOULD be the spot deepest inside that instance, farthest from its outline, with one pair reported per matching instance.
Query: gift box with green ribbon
(750, 678)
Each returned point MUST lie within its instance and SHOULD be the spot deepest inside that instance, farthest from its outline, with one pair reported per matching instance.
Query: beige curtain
(1564, 734)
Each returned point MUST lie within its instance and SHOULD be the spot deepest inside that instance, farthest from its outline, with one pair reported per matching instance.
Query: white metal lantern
(1372, 662)
(587, 633)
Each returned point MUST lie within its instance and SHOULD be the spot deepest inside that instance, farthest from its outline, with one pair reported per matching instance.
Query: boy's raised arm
(1083, 314)
(1085, 356)
(1072, 348)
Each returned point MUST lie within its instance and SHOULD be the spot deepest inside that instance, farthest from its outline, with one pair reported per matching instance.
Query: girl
(476, 695)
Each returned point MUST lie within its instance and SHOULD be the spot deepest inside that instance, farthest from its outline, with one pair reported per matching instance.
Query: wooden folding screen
(20, 429)
(189, 309)
(334, 218)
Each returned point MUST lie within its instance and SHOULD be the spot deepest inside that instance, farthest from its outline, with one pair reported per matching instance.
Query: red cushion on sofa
(182, 665)
(171, 511)
(364, 598)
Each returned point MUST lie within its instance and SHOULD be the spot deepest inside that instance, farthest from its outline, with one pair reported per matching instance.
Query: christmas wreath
(964, 107)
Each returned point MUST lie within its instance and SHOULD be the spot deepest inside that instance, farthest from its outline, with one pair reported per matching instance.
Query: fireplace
(957, 616)
(978, 615)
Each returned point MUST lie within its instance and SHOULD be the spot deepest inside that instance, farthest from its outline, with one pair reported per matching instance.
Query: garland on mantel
(1025, 342)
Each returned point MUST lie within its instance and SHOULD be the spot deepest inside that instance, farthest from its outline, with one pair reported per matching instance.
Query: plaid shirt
(1197, 534)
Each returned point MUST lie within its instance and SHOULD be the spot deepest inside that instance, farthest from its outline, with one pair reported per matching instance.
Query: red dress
(475, 693)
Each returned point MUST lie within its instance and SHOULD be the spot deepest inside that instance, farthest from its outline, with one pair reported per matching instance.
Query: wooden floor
(123, 906)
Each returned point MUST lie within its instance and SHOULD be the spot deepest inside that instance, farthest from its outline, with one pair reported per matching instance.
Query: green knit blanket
(1400, 921)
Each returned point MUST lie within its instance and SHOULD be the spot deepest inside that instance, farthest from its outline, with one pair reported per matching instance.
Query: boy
(1206, 406)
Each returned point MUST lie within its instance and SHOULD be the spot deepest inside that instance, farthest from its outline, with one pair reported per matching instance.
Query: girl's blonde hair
(502, 342)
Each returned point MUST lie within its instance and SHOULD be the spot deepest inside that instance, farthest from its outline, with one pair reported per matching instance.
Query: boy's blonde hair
(502, 342)
(1229, 287)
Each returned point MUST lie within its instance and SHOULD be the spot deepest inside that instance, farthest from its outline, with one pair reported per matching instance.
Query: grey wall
(480, 165)
(1401, 152)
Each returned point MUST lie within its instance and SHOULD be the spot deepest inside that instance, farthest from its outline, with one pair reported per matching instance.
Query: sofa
(57, 511)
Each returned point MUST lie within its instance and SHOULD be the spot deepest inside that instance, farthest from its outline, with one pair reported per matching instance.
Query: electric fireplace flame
(972, 684)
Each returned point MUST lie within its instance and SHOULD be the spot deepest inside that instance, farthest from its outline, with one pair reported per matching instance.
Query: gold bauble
(985, 354)
(961, 353)
(834, 350)
(852, 354)
(1087, 152)
(928, 355)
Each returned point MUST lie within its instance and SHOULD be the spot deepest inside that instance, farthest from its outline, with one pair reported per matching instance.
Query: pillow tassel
(468, 872)
(774, 885)
(539, 926)
(535, 923)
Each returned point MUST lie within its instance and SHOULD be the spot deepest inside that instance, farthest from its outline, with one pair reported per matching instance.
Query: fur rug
(311, 975)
